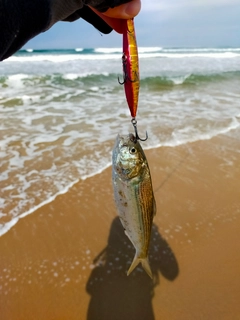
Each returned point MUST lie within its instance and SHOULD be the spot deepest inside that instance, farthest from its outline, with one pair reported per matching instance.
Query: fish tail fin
(134, 264)
(145, 265)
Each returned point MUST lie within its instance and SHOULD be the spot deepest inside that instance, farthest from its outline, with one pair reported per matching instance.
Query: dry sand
(68, 260)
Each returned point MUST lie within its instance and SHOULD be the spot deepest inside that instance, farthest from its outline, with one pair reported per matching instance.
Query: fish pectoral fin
(145, 265)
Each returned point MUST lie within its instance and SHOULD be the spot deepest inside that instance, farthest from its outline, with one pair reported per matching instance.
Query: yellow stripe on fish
(134, 196)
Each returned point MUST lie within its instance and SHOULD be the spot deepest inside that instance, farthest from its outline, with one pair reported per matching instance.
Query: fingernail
(132, 9)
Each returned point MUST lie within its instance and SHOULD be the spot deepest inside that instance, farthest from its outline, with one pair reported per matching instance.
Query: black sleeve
(21, 20)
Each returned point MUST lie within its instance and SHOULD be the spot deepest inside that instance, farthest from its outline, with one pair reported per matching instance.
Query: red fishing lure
(130, 66)
(131, 79)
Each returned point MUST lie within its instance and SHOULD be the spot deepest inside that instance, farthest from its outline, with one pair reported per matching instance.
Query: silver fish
(133, 195)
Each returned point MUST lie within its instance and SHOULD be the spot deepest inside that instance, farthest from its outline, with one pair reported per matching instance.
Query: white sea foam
(173, 50)
(174, 55)
(115, 53)
(192, 136)
(119, 50)
(7, 226)
(187, 135)
(61, 58)
(4, 228)
(149, 49)
(70, 76)
(176, 141)
(179, 79)
(16, 81)
(108, 50)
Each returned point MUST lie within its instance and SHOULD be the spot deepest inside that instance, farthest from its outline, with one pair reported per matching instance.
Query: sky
(160, 23)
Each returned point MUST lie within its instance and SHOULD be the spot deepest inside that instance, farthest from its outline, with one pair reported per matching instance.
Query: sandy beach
(68, 260)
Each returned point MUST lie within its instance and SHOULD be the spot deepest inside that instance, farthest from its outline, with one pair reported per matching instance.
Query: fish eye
(132, 150)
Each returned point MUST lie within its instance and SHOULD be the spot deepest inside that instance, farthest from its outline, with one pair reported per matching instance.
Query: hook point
(134, 123)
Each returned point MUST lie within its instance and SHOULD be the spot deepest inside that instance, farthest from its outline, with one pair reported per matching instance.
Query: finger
(116, 24)
(125, 11)
(114, 17)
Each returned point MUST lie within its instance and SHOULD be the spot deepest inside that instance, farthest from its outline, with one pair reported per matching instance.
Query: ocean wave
(178, 137)
(115, 56)
(200, 50)
(108, 50)
(119, 50)
(5, 227)
(190, 134)
(158, 82)
(59, 120)
(182, 55)
(109, 81)
(68, 80)
(31, 51)
(149, 49)
(59, 55)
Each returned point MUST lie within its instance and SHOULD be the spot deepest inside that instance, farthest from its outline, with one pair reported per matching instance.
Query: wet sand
(68, 260)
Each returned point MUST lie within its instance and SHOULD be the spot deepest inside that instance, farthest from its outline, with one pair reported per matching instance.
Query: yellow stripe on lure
(130, 66)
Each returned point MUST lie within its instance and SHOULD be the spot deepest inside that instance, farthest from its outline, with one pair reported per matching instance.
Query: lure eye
(132, 150)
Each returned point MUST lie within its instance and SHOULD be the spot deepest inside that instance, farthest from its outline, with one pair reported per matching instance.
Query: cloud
(182, 23)
(171, 23)
(154, 5)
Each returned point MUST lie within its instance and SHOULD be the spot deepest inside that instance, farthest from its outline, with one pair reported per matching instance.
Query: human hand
(114, 16)
(21, 22)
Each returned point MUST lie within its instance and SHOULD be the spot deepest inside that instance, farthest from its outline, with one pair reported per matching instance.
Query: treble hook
(134, 123)
(125, 74)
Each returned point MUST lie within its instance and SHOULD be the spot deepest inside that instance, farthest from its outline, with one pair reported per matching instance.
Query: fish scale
(134, 196)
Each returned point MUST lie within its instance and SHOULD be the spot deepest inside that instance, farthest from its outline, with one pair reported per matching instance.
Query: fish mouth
(132, 138)
(125, 139)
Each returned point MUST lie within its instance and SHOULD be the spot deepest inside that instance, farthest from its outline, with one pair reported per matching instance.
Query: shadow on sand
(114, 295)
